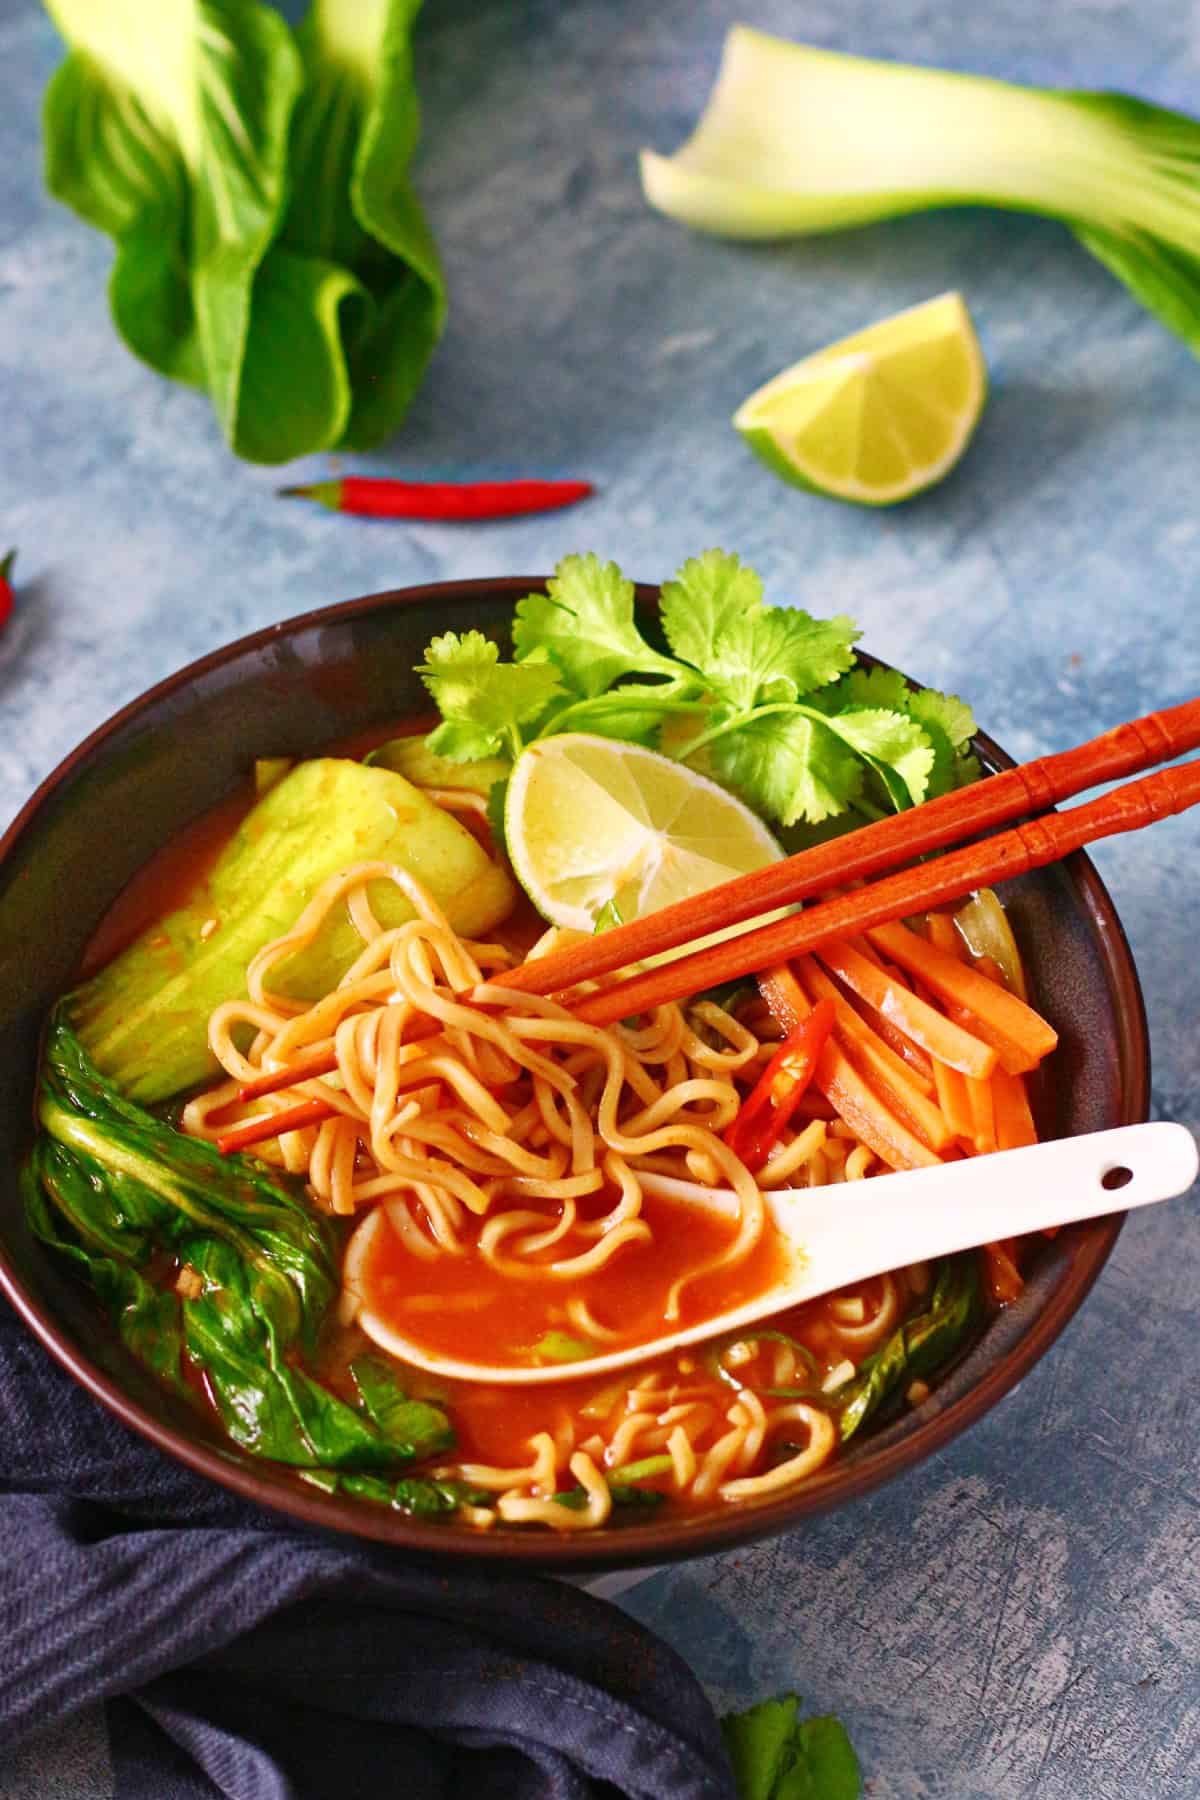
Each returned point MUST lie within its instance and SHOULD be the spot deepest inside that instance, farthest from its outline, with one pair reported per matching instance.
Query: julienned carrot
(983, 1115)
(270, 1125)
(1020, 1037)
(1003, 1277)
(837, 1078)
(999, 1119)
(952, 1099)
(898, 1041)
(855, 1026)
(382, 497)
(1014, 1120)
(932, 1030)
(943, 934)
(880, 1068)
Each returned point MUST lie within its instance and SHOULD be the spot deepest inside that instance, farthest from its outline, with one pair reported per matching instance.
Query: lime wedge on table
(602, 831)
(879, 416)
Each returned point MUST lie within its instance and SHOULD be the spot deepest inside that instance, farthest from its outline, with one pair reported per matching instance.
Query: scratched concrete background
(1021, 1616)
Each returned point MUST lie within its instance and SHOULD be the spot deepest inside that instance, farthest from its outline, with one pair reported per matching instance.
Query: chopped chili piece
(6, 592)
(381, 497)
(767, 1108)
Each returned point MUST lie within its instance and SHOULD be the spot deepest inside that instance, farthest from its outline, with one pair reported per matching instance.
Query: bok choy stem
(796, 140)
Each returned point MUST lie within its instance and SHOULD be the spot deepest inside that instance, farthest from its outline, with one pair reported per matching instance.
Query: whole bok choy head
(269, 247)
(796, 141)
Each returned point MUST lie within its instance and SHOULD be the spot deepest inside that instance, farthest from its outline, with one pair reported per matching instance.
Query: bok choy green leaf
(214, 1259)
(796, 140)
(269, 246)
(918, 1348)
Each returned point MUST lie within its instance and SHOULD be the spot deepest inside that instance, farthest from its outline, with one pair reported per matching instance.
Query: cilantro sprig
(766, 698)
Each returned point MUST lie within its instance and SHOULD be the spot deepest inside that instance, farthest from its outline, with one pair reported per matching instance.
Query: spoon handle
(859, 1229)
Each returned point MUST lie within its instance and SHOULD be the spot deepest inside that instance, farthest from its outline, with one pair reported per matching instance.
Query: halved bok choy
(796, 140)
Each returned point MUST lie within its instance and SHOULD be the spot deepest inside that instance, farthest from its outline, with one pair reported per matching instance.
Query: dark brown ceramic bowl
(329, 675)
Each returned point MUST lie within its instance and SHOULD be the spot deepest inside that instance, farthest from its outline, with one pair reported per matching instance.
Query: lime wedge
(601, 831)
(879, 416)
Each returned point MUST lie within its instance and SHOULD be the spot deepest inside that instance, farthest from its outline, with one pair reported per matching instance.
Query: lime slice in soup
(878, 416)
(600, 831)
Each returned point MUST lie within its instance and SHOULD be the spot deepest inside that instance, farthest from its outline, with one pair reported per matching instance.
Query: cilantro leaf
(778, 654)
(870, 687)
(757, 1742)
(710, 593)
(952, 716)
(949, 724)
(585, 623)
(895, 746)
(947, 721)
(788, 766)
(637, 722)
(483, 701)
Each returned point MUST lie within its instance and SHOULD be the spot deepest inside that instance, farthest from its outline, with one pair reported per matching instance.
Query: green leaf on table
(777, 1756)
(757, 1742)
(483, 701)
(788, 767)
(823, 1765)
(585, 623)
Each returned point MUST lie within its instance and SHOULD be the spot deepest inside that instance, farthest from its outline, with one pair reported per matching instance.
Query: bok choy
(796, 140)
(220, 1263)
(918, 1348)
(269, 247)
(143, 1018)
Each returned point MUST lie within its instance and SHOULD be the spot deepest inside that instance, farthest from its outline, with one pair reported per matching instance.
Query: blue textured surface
(1021, 1616)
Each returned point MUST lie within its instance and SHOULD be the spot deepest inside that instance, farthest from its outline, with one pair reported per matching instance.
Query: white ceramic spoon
(845, 1233)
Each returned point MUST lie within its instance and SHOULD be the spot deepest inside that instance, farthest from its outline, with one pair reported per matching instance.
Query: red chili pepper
(780, 1088)
(6, 592)
(379, 497)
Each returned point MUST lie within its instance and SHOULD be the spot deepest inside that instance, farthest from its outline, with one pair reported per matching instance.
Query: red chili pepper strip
(379, 497)
(6, 592)
(780, 1088)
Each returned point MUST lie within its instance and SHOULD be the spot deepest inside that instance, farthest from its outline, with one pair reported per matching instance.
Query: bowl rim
(634, 1545)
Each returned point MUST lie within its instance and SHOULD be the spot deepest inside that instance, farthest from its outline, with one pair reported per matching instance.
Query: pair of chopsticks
(882, 846)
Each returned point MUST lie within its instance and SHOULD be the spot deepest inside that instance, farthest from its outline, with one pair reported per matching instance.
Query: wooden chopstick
(874, 848)
(950, 877)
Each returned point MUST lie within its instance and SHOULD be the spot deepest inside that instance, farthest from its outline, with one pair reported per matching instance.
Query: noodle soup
(472, 1179)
